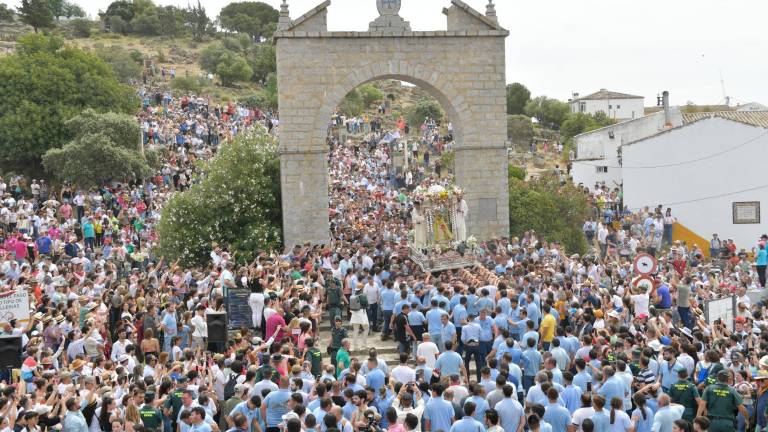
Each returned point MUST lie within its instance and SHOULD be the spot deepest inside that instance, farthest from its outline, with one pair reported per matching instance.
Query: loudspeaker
(10, 352)
(217, 327)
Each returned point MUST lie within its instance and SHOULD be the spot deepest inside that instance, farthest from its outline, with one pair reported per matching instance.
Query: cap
(666, 341)
(740, 319)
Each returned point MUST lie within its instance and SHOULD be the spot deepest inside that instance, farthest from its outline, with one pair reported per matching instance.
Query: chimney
(667, 114)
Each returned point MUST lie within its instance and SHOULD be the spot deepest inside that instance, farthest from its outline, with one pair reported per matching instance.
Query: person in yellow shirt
(547, 328)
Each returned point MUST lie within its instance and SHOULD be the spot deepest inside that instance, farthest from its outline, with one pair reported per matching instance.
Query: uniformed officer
(173, 403)
(150, 416)
(338, 334)
(720, 402)
(684, 392)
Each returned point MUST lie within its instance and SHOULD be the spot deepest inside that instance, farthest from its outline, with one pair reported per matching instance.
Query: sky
(558, 47)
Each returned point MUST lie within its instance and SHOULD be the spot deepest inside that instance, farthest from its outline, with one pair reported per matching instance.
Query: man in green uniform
(275, 360)
(314, 357)
(684, 392)
(173, 403)
(338, 334)
(150, 416)
(720, 402)
(333, 295)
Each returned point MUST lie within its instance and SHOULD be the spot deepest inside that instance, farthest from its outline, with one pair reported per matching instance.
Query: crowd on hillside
(530, 338)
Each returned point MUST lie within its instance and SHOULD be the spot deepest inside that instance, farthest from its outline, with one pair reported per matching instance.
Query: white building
(752, 106)
(618, 106)
(711, 171)
(597, 152)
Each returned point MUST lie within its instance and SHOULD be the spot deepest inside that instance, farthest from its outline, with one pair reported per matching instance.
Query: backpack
(354, 303)
(363, 299)
(229, 387)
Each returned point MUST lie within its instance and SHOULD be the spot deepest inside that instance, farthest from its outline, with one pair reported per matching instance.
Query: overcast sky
(557, 47)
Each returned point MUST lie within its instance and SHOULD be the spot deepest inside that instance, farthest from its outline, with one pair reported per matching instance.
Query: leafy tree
(81, 27)
(43, 85)
(252, 18)
(550, 112)
(36, 13)
(198, 21)
(416, 114)
(232, 68)
(147, 24)
(579, 123)
(263, 62)
(73, 10)
(519, 130)
(352, 104)
(211, 56)
(104, 147)
(271, 90)
(172, 20)
(236, 202)
(122, 62)
(370, 94)
(6, 13)
(555, 210)
(121, 8)
(118, 25)
(517, 96)
(238, 43)
(259, 100)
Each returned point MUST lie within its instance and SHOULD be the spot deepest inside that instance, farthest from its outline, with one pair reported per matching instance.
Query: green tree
(43, 85)
(555, 209)
(6, 13)
(81, 27)
(549, 112)
(118, 25)
(147, 24)
(198, 21)
(519, 130)
(73, 10)
(121, 61)
(352, 104)
(263, 61)
(121, 8)
(416, 114)
(104, 146)
(233, 68)
(36, 13)
(211, 56)
(518, 96)
(173, 21)
(271, 90)
(251, 18)
(578, 123)
(370, 94)
(236, 202)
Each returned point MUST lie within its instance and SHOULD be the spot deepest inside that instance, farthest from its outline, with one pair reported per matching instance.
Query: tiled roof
(754, 118)
(605, 94)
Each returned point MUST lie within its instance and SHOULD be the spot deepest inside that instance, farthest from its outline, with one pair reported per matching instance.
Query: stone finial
(284, 22)
(388, 19)
(490, 11)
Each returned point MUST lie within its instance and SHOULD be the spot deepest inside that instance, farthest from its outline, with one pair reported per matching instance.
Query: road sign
(643, 282)
(645, 264)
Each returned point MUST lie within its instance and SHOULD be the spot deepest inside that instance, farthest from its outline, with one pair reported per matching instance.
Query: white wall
(597, 147)
(620, 109)
(684, 185)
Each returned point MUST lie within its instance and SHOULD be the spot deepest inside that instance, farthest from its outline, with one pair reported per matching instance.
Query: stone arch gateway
(463, 67)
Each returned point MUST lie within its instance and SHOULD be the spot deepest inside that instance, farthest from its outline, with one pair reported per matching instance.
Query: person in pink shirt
(65, 211)
(276, 324)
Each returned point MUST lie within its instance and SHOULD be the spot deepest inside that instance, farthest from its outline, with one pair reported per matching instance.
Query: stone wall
(464, 70)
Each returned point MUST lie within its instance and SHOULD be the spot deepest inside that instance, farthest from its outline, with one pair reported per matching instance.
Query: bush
(519, 130)
(81, 28)
(233, 68)
(255, 100)
(186, 85)
(118, 25)
(370, 94)
(352, 104)
(555, 210)
(236, 203)
(122, 62)
(517, 172)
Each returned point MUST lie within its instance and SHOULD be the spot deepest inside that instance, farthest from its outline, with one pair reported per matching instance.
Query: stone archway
(462, 67)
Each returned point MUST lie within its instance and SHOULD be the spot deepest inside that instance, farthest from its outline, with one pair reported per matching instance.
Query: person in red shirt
(276, 324)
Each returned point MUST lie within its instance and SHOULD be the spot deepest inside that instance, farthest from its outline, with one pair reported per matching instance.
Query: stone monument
(463, 67)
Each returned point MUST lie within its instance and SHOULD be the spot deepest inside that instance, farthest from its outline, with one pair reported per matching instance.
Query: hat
(642, 316)
(218, 356)
(240, 388)
(257, 341)
(91, 306)
(77, 364)
(665, 340)
(338, 318)
(122, 358)
(126, 315)
(60, 319)
(740, 319)
(760, 375)
(614, 314)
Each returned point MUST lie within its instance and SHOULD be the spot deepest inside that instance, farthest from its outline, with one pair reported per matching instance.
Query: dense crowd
(529, 338)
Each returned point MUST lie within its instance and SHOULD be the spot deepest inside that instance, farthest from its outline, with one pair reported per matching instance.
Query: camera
(373, 424)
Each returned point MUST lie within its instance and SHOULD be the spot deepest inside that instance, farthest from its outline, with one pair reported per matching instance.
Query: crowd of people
(529, 338)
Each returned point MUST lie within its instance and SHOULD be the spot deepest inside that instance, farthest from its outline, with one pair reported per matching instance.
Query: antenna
(726, 98)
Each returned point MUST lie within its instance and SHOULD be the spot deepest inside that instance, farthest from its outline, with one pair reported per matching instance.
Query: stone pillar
(481, 173)
(304, 181)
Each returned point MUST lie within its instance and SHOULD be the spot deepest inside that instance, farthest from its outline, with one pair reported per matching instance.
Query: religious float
(439, 239)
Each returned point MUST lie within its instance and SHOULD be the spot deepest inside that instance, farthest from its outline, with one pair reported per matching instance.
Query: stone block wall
(464, 70)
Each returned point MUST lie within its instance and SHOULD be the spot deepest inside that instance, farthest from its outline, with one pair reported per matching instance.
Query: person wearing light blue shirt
(387, 298)
(481, 405)
(504, 303)
(275, 405)
(668, 369)
(582, 377)
(438, 412)
(613, 386)
(572, 394)
(484, 302)
(530, 361)
(375, 377)
(501, 320)
(486, 332)
(434, 324)
(447, 333)
(459, 318)
(450, 362)
(472, 302)
(511, 414)
(468, 423)
(533, 312)
(249, 409)
(74, 421)
(555, 414)
(169, 326)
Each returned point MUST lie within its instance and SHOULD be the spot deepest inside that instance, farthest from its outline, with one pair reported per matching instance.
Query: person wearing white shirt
(200, 334)
(404, 373)
(428, 350)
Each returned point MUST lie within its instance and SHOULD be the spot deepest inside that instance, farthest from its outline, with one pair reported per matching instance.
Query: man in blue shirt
(170, 329)
(470, 336)
(438, 413)
(510, 411)
(468, 423)
(530, 361)
(555, 414)
(613, 386)
(486, 335)
(533, 311)
(250, 409)
(459, 318)
(434, 325)
(375, 376)
(387, 298)
(275, 405)
(44, 244)
(450, 363)
(572, 394)
(668, 369)
(447, 332)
